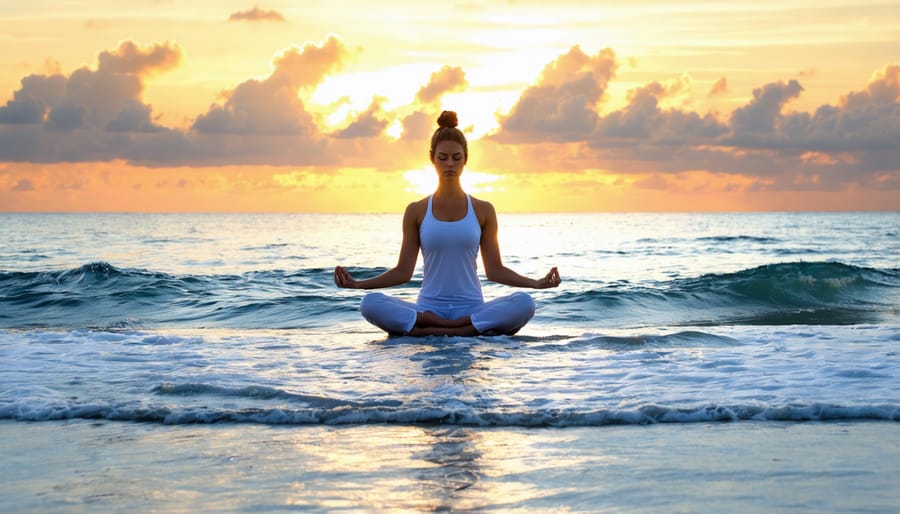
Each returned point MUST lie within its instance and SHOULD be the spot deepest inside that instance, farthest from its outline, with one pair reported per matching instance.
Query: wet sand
(85, 466)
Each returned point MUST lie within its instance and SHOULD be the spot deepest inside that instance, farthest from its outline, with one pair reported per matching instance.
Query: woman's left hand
(551, 279)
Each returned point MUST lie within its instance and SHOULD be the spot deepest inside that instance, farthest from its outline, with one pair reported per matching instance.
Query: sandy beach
(85, 466)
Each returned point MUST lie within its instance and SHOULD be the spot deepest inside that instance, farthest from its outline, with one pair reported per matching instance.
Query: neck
(449, 190)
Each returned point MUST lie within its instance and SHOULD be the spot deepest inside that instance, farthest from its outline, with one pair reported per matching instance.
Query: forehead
(449, 147)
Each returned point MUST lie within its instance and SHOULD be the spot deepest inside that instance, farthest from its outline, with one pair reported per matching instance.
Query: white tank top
(450, 249)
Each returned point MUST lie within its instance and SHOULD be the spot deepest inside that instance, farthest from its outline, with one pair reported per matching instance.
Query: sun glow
(424, 181)
(396, 84)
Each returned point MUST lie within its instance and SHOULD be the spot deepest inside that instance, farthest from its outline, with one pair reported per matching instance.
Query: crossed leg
(430, 324)
(505, 315)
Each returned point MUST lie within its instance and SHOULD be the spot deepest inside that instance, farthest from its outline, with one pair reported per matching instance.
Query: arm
(493, 263)
(406, 263)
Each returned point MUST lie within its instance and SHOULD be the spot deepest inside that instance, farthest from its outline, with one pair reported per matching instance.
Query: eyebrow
(447, 155)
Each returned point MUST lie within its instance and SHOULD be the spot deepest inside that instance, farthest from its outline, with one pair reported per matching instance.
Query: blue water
(180, 319)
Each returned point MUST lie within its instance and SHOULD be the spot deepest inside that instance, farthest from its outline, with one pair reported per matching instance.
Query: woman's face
(449, 160)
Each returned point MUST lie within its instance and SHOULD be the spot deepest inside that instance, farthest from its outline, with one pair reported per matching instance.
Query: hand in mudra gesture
(551, 279)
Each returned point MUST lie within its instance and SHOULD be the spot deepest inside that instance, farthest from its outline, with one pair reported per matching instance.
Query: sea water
(181, 329)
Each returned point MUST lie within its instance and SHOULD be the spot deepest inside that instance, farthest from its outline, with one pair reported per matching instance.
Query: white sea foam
(729, 373)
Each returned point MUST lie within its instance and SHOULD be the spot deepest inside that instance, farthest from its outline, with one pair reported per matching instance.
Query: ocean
(743, 362)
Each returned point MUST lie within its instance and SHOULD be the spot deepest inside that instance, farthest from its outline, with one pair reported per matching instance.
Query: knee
(387, 313)
(506, 316)
(524, 303)
(370, 303)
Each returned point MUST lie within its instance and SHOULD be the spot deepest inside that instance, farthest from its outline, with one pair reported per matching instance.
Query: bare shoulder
(484, 210)
(416, 210)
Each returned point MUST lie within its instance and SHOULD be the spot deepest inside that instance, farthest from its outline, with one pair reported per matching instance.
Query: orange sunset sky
(171, 105)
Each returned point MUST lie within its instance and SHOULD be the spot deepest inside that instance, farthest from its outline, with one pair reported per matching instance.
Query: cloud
(306, 66)
(98, 115)
(561, 105)
(882, 90)
(655, 181)
(368, 124)
(853, 141)
(256, 14)
(644, 120)
(67, 117)
(862, 128)
(272, 106)
(131, 59)
(23, 185)
(134, 117)
(86, 99)
(764, 111)
(417, 126)
(31, 101)
(560, 123)
(258, 107)
(719, 88)
(446, 80)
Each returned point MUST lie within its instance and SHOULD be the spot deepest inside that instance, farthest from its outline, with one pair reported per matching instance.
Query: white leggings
(504, 315)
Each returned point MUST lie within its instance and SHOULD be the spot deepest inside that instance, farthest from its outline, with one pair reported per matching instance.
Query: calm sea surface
(667, 320)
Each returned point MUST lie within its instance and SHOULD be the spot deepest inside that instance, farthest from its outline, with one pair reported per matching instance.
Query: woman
(449, 226)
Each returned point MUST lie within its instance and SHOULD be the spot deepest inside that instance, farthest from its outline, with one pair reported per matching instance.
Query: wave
(739, 238)
(260, 393)
(100, 295)
(774, 294)
(683, 339)
(333, 412)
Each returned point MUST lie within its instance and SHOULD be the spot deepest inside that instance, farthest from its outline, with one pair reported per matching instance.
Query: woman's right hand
(342, 278)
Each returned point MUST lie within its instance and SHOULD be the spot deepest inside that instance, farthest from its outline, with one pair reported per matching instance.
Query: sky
(569, 106)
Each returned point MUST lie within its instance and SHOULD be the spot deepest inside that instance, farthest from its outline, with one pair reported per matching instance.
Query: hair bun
(448, 119)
